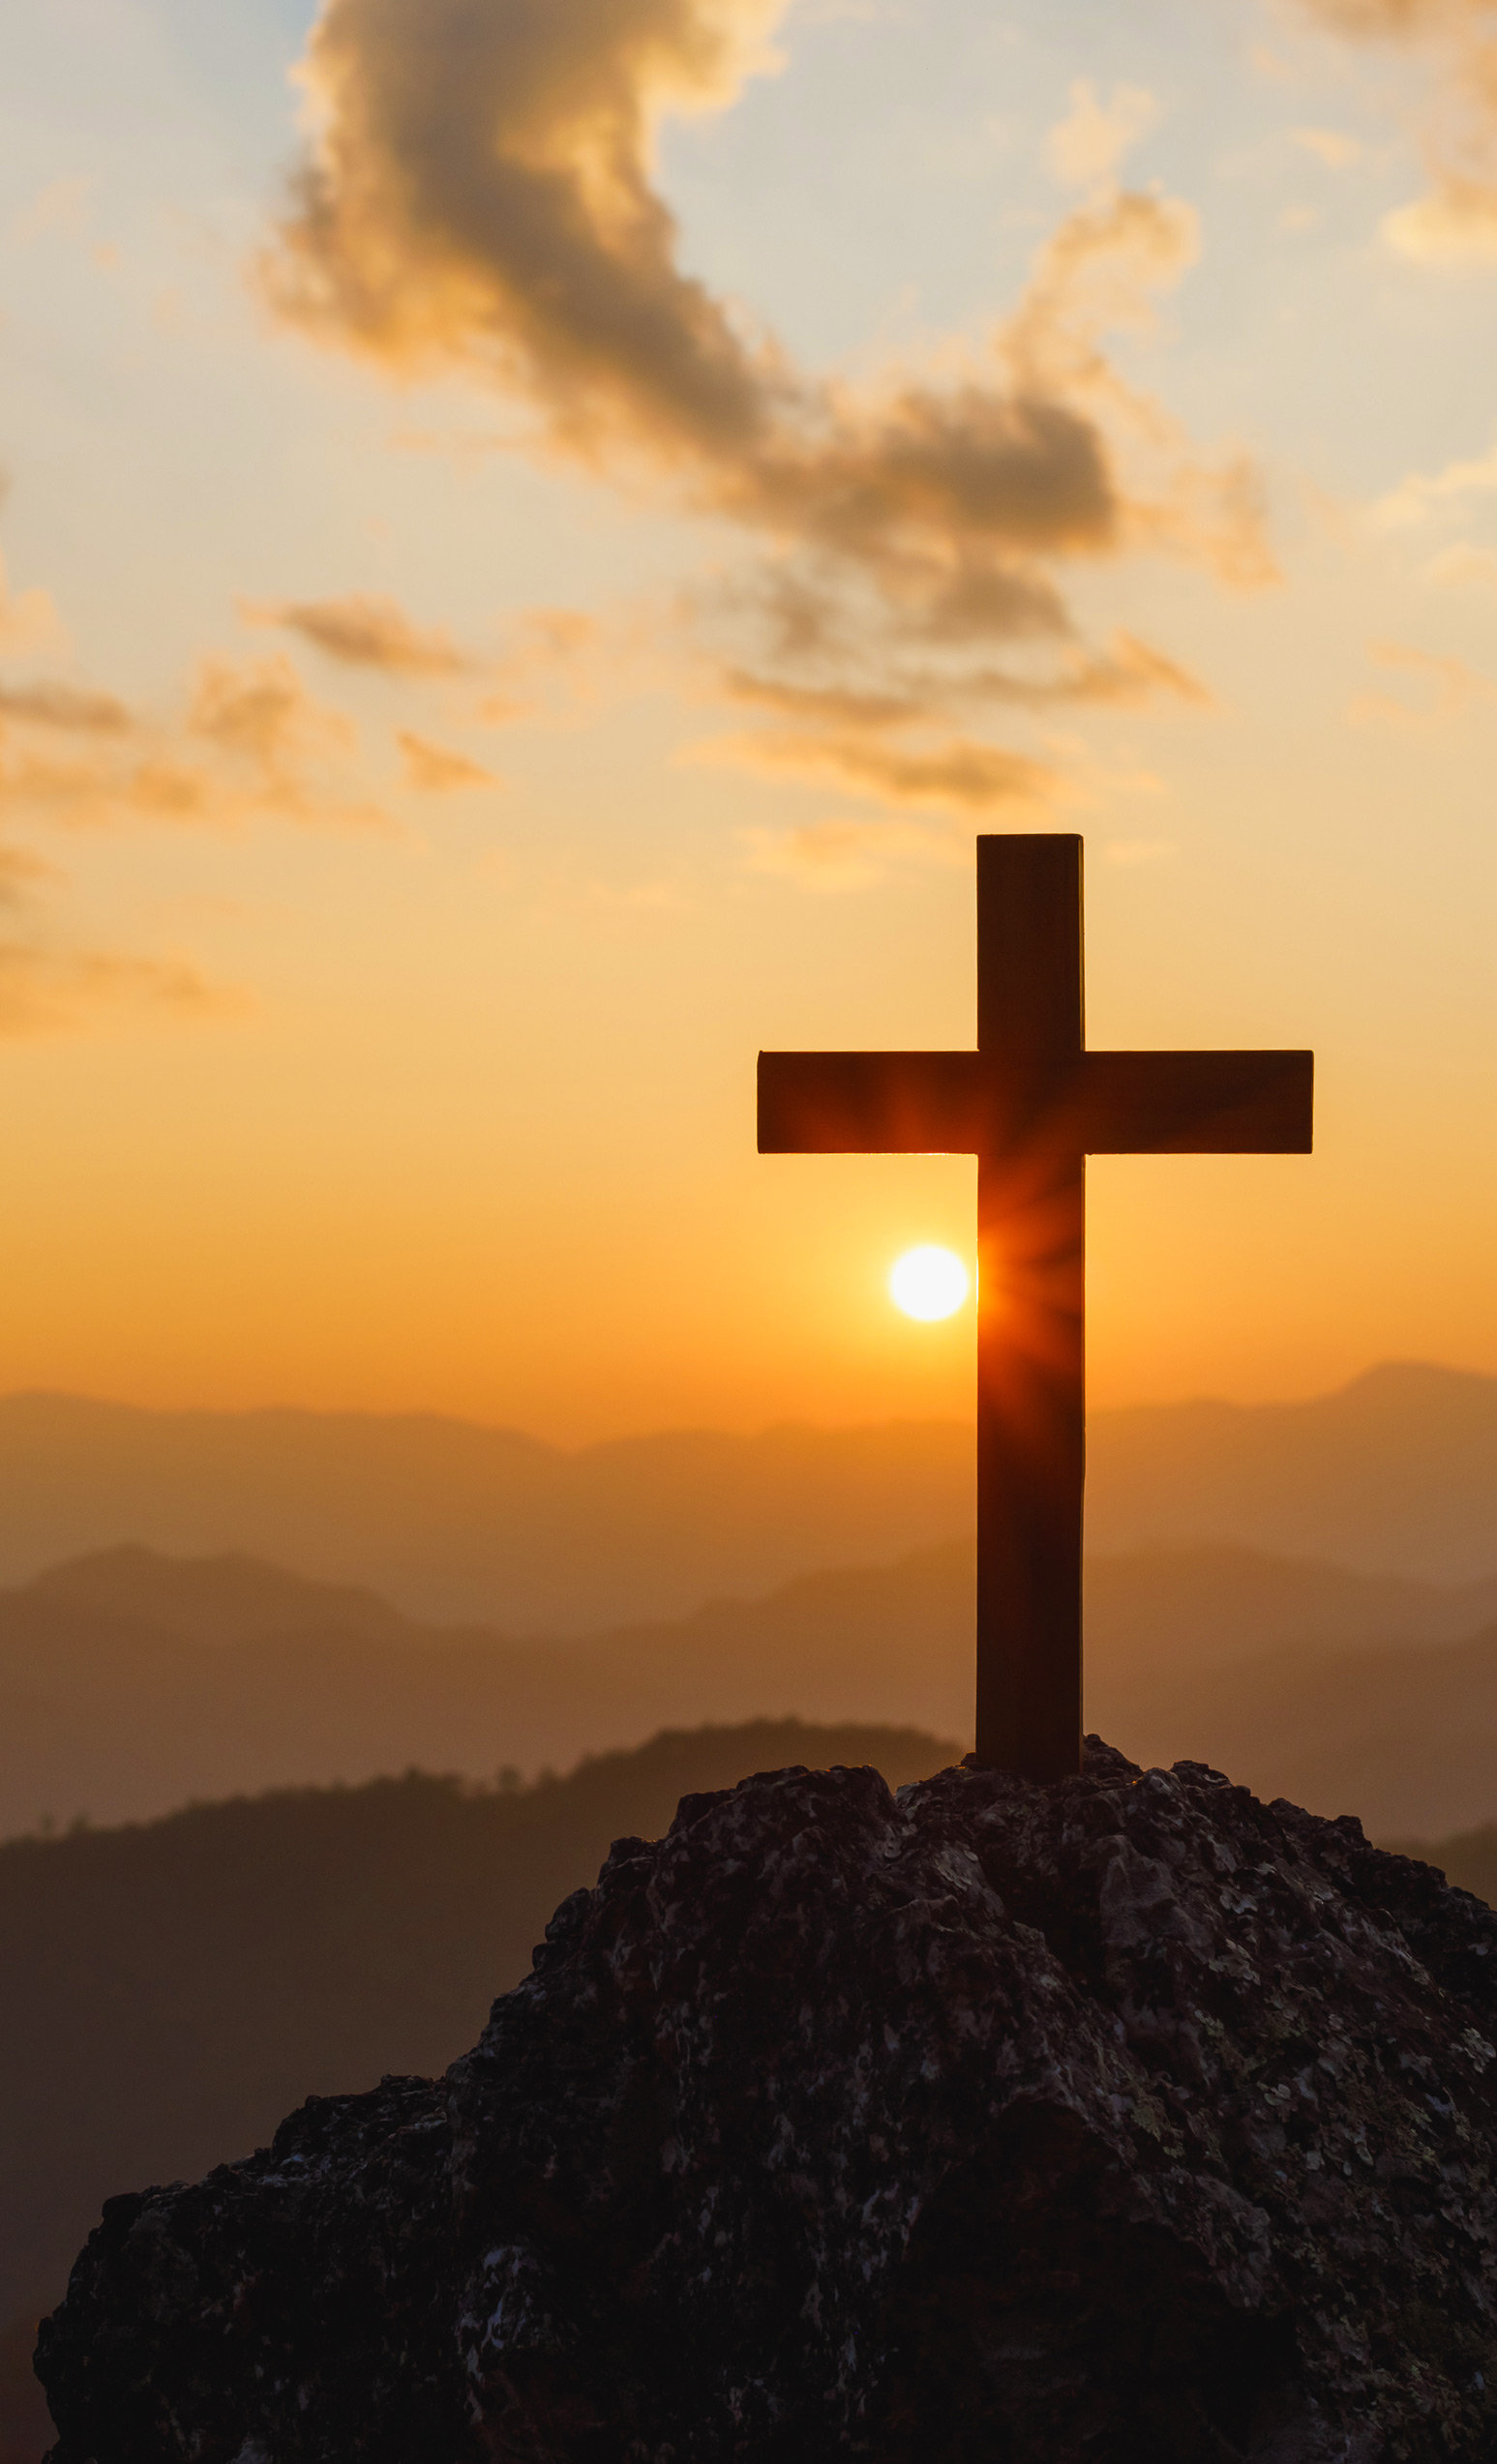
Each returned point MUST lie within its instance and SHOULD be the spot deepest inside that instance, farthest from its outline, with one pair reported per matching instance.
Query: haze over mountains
(190, 1654)
(454, 1523)
(132, 1682)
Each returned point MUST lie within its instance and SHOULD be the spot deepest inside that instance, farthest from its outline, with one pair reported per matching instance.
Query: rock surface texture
(1126, 2121)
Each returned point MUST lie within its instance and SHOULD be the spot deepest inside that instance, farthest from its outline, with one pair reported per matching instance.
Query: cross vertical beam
(1031, 1103)
(1031, 1321)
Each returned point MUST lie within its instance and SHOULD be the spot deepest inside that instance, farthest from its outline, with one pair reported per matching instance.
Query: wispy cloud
(1424, 491)
(1091, 144)
(28, 619)
(1457, 217)
(434, 770)
(47, 993)
(840, 855)
(367, 631)
(68, 709)
(962, 774)
(1449, 687)
(1333, 147)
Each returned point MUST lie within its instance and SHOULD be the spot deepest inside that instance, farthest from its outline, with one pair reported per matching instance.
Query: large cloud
(478, 197)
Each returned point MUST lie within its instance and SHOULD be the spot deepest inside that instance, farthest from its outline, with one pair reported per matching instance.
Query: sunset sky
(538, 531)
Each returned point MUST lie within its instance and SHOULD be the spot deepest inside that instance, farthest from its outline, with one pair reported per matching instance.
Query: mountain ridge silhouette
(452, 1522)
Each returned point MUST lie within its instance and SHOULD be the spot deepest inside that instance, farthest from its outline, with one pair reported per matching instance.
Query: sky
(535, 538)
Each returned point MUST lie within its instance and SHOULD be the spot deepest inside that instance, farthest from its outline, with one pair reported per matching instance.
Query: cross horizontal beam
(1096, 1104)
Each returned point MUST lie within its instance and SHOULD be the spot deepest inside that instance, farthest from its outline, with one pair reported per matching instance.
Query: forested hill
(171, 1990)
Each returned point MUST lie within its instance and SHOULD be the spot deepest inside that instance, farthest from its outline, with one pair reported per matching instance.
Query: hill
(170, 1989)
(130, 1682)
(455, 1523)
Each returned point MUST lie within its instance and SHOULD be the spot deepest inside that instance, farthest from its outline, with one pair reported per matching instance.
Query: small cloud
(20, 872)
(1452, 688)
(263, 711)
(431, 769)
(1270, 65)
(64, 707)
(1461, 567)
(368, 631)
(1331, 146)
(835, 705)
(558, 634)
(1414, 497)
(28, 620)
(959, 776)
(45, 993)
(841, 855)
(1455, 225)
(61, 206)
(1088, 145)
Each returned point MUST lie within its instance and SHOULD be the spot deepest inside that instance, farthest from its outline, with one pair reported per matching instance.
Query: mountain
(170, 1991)
(130, 1682)
(1396, 1474)
(1405, 1739)
(455, 1522)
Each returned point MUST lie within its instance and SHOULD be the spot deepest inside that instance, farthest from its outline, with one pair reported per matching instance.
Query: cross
(1031, 1103)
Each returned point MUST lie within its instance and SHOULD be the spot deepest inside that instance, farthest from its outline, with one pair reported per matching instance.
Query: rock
(1126, 2121)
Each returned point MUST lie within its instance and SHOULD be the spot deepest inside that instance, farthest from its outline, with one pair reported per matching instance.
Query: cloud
(1415, 498)
(1456, 220)
(261, 709)
(65, 707)
(1128, 674)
(1331, 146)
(368, 631)
(28, 619)
(45, 991)
(477, 198)
(431, 769)
(1452, 688)
(1462, 566)
(840, 855)
(1456, 223)
(480, 191)
(63, 205)
(960, 775)
(20, 872)
(1091, 144)
(250, 742)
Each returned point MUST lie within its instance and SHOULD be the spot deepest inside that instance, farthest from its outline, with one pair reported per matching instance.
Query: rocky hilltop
(1124, 2122)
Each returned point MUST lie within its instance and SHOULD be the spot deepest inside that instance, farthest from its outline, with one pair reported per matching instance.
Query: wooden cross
(1031, 1103)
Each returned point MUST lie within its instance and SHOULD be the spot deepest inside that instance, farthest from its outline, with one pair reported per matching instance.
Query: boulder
(1125, 2120)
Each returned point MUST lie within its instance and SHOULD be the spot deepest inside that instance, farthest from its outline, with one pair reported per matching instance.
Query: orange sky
(497, 633)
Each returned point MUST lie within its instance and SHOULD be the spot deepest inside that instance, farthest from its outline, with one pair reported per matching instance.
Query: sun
(928, 1283)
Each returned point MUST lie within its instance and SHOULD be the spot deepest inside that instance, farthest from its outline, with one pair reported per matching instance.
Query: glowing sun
(928, 1283)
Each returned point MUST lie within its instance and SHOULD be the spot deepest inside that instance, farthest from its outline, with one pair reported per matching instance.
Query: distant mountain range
(132, 1682)
(1394, 1475)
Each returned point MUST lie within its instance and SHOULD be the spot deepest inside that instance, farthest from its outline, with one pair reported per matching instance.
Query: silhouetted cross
(1031, 1103)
